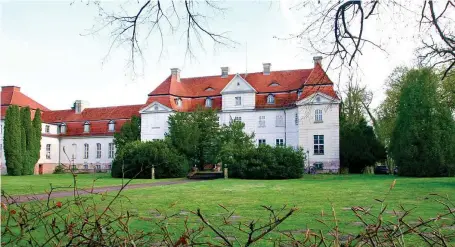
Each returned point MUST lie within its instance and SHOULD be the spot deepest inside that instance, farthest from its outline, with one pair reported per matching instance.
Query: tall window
(296, 118)
(238, 100)
(98, 150)
(73, 157)
(48, 151)
(86, 147)
(279, 142)
(270, 99)
(87, 127)
(319, 144)
(261, 121)
(111, 150)
(279, 121)
(47, 129)
(208, 102)
(262, 142)
(111, 125)
(318, 115)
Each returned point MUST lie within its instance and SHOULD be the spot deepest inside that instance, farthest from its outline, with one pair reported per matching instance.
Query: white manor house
(297, 108)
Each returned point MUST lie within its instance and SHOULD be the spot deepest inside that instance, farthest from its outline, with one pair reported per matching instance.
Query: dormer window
(299, 93)
(208, 102)
(62, 128)
(209, 89)
(274, 84)
(178, 102)
(270, 99)
(111, 126)
(87, 127)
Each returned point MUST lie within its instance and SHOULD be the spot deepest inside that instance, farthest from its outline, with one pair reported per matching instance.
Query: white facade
(297, 126)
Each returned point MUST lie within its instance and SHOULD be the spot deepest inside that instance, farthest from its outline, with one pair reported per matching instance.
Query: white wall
(52, 128)
(2, 153)
(54, 142)
(67, 143)
(329, 127)
(248, 101)
(154, 125)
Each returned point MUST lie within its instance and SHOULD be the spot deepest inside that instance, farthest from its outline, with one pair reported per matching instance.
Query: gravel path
(98, 190)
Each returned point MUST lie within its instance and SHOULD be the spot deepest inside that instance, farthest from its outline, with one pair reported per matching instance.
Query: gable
(318, 98)
(238, 85)
(155, 107)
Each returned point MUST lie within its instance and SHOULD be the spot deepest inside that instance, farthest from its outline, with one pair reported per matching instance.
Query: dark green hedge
(266, 162)
(137, 158)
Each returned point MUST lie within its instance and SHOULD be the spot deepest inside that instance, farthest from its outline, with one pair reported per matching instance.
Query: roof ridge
(99, 107)
(196, 77)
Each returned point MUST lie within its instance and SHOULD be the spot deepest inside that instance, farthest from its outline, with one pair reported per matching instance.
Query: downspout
(285, 120)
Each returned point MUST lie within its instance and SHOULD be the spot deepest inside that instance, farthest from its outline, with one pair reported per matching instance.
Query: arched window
(87, 126)
(111, 126)
(98, 150)
(208, 102)
(178, 102)
(270, 99)
(86, 148)
(318, 115)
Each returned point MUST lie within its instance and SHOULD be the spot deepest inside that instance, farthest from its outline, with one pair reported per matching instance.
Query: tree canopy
(130, 131)
(423, 139)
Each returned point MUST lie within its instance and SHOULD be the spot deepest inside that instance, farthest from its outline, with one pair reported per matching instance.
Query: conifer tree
(36, 139)
(12, 141)
(27, 142)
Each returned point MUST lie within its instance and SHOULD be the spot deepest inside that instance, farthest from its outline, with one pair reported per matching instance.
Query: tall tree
(12, 141)
(36, 138)
(27, 139)
(130, 131)
(196, 135)
(423, 140)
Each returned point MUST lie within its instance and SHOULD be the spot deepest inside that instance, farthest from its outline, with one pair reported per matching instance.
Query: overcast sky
(42, 51)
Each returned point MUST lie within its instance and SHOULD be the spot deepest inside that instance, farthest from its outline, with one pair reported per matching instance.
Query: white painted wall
(329, 127)
(154, 125)
(2, 153)
(248, 101)
(67, 143)
(54, 142)
(52, 129)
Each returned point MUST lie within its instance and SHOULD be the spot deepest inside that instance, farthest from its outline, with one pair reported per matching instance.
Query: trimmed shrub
(60, 169)
(137, 159)
(266, 162)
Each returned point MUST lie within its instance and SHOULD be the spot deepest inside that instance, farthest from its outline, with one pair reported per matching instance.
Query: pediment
(238, 85)
(155, 107)
(318, 98)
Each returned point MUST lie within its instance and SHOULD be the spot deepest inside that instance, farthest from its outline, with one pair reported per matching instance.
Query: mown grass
(22, 185)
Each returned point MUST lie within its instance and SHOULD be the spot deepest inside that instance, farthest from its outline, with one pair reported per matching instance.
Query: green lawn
(20, 185)
(312, 195)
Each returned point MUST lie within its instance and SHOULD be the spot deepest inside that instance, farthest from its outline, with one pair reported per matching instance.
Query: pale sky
(42, 51)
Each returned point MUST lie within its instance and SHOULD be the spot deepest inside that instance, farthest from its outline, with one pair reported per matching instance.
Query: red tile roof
(325, 89)
(97, 128)
(12, 95)
(283, 84)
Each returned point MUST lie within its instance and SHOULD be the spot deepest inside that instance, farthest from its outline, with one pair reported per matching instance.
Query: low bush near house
(59, 169)
(266, 162)
(137, 159)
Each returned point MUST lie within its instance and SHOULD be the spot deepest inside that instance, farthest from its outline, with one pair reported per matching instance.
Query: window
(237, 118)
(261, 121)
(87, 127)
(111, 125)
(238, 100)
(1, 150)
(47, 128)
(74, 155)
(178, 102)
(109, 167)
(98, 167)
(296, 118)
(262, 142)
(48, 151)
(111, 150)
(319, 144)
(86, 146)
(279, 142)
(274, 84)
(318, 115)
(299, 93)
(86, 167)
(208, 102)
(62, 128)
(98, 150)
(279, 121)
(270, 99)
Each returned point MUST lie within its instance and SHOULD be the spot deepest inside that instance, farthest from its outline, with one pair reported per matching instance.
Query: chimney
(224, 72)
(11, 89)
(266, 67)
(317, 60)
(175, 74)
(79, 106)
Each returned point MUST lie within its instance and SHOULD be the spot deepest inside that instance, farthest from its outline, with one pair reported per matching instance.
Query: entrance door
(40, 169)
